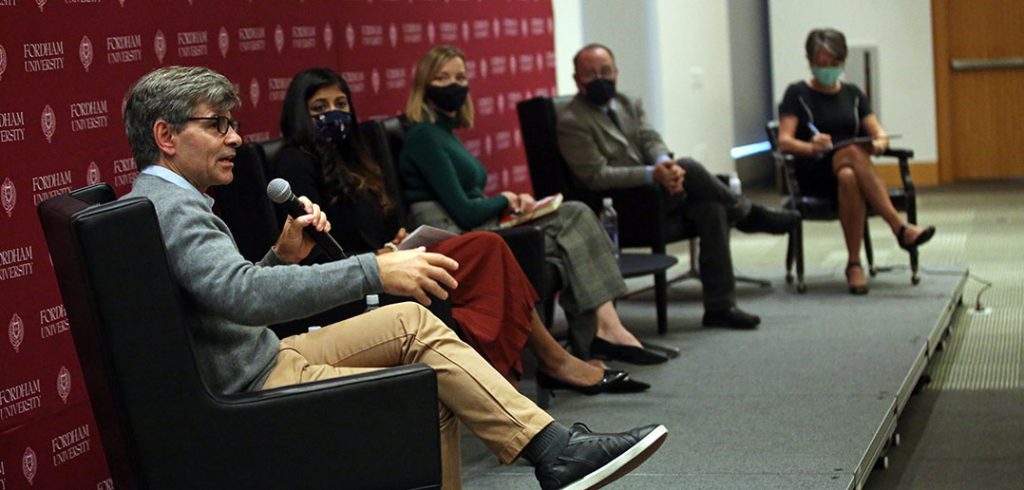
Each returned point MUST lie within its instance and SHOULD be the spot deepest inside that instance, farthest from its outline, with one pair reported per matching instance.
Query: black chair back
(160, 425)
(642, 210)
(244, 206)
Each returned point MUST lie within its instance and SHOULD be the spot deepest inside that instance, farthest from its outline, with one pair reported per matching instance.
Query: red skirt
(494, 301)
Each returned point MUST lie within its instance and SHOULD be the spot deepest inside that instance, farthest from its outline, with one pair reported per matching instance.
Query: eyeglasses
(223, 122)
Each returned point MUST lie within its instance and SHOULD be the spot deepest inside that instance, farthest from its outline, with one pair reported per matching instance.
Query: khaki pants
(406, 333)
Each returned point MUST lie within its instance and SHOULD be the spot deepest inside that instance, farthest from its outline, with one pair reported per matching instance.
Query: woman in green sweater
(444, 185)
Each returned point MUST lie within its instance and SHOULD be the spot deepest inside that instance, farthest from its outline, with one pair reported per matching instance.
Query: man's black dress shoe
(731, 318)
(592, 460)
(625, 353)
(765, 220)
(610, 379)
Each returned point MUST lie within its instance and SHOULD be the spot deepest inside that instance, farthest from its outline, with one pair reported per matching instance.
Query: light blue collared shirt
(172, 177)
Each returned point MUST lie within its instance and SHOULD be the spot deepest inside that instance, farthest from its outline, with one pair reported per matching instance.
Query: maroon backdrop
(64, 69)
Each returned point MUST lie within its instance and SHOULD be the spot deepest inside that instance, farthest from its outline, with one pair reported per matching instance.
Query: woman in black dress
(815, 117)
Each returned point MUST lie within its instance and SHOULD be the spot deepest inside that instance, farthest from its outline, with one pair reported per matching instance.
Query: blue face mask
(827, 75)
(334, 125)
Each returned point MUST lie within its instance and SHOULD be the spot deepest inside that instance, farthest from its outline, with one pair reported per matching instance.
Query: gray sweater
(234, 298)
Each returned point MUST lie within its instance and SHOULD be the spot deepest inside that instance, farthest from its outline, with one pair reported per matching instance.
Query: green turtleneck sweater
(435, 166)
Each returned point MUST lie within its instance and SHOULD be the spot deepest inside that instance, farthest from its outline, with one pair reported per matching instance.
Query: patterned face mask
(334, 125)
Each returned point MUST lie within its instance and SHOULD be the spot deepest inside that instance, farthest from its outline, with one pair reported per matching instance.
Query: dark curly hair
(348, 169)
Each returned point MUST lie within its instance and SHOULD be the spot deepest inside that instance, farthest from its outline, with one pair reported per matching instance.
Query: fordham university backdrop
(64, 68)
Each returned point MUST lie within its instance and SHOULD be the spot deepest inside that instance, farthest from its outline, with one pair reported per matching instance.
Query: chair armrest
(382, 417)
(527, 244)
(903, 155)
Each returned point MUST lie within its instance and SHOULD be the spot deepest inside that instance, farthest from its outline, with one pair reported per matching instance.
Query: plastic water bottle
(610, 222)
(372, 302)
(734, 183)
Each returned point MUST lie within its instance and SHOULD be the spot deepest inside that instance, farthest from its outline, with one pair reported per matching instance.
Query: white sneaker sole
(624, 463)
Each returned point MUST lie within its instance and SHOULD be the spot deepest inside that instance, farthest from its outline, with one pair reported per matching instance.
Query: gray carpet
(794, 404)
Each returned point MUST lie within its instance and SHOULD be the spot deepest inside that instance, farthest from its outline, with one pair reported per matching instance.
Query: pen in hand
(814, 129)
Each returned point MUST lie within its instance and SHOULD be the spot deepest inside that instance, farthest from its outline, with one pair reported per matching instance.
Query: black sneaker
(592, 460)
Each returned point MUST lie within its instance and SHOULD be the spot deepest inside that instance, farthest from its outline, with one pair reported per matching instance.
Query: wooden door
(979, 68)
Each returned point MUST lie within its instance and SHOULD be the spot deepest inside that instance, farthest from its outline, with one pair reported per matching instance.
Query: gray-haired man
(179, 125)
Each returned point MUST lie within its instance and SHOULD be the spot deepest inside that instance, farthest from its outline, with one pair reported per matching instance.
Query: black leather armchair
(904, 198)
(160, 425)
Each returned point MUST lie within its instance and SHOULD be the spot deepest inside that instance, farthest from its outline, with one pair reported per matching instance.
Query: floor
(964, 429)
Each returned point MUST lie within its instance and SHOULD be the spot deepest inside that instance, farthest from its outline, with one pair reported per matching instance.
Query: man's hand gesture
(416, 273)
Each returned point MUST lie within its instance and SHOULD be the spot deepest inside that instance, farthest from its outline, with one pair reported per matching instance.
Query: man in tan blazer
(606, 140)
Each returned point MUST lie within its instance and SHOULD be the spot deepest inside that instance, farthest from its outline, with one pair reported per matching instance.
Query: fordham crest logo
(501, 103)
(465, 32)
(3, 61)
(512, 63)
(539, 60)
(496, 27)
(29, 464)
(328, 36)
(375, 80)
(223, 41)
(92, 175)
(48, 121)
(160, 45)
(64, 384)
(483, 68)
(16, 332)
(85, 52)
(279, 38)
(8, 196)
(488, 145)
(41, 4)
(254, 92)
(350, 36)
(393, 35)
(431, 33)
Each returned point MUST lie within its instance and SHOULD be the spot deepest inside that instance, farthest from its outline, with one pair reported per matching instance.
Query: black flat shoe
(920, 240)
(731, 318)
(859, 289)
(627, 385)
(610, 378)
(625, 353)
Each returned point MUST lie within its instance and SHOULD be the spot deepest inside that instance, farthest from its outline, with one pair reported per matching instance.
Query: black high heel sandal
(614, 381)
(920, 240)
(859, 289)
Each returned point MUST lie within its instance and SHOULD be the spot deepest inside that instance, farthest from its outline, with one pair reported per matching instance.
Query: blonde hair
(416, 108)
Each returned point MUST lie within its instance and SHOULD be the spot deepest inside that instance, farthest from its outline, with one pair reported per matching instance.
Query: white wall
(902, 31)
(674, 54)
(568, 38)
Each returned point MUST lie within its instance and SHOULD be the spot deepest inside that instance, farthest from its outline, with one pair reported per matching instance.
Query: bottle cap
(606, 202)
(372, 300)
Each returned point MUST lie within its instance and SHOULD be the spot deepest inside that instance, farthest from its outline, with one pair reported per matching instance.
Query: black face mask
(448, 98)
(334, 125)
(600, 90)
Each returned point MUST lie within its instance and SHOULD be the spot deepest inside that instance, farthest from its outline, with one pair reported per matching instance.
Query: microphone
(280, 192)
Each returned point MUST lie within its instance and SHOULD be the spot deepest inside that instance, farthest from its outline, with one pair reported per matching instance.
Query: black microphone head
(279, 191)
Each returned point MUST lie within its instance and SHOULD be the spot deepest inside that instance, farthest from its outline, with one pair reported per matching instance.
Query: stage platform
(809, 400)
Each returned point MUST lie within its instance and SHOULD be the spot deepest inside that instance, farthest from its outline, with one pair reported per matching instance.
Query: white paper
(424, 236)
